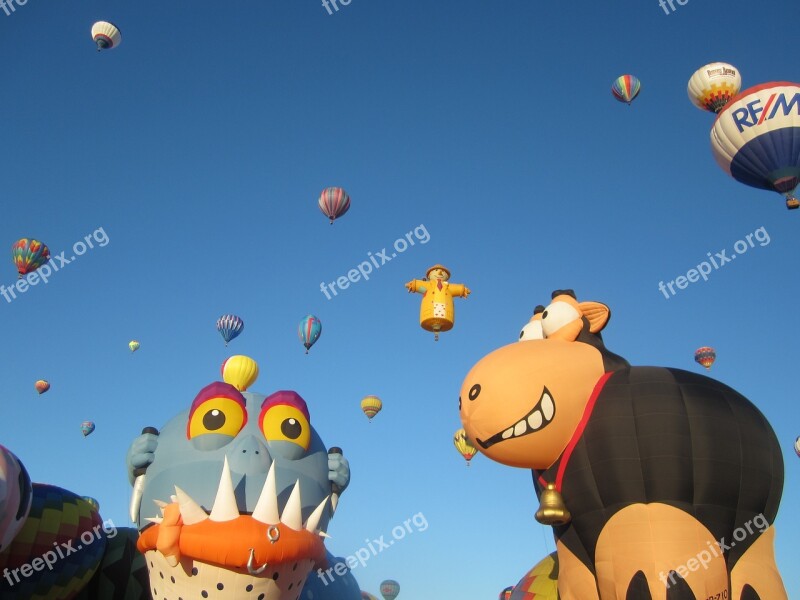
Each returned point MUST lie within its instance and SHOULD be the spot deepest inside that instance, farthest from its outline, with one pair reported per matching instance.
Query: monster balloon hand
(138, 484)
(335, 460)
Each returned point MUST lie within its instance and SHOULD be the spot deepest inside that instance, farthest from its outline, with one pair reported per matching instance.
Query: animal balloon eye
(217, 415)
(556, 316)
(474, 391)
(285, 423)
(532, 331)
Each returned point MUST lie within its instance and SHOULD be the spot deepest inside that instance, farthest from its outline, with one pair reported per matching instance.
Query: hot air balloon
(437, 311)
(756, 138)
(240, 371)
(625, 88)
(711, 87)
(705, 356)
(390, 589)
(106, 35)
(334, 202)
(309, 331)
(464, 446)
(87, 427)
(797, 446)
(371, 405)
(540, 583)
(15, 496)
(229, 327)
(29, 255)
(506, 593)
(42, 386)
(133, 345)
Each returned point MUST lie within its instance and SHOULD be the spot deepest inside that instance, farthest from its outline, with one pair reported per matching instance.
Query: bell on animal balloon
(552, 510)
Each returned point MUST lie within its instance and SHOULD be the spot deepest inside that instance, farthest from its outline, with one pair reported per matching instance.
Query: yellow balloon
(240, 371)
(463, 445)
(371, 405)
(133, 345)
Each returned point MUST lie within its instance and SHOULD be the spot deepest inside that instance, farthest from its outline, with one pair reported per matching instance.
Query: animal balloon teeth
(537, 419)
(249, 549)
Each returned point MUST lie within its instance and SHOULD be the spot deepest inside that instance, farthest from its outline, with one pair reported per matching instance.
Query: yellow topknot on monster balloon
(240, 371)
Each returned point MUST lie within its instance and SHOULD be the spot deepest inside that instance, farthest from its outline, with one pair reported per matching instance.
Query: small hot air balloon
(705, 356)
(309, 331)
(29, 255)
(625, 88)
(239, 371)
(797, 446)
(106, 35)
(371, 405)
(390, 589)
(463, 445)
(229, 327)
(42, 386)
(506, 593)
(712, 86)
(133, 345)
(334, 202)
(87, 427)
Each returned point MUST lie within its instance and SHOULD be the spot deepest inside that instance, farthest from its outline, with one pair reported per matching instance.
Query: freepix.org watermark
(60, 551)
(55, 263)
(714, 550)
(400, 245)
(663, 4)
(720, 259)
(325, 3)
(8, 5)
(374, 547)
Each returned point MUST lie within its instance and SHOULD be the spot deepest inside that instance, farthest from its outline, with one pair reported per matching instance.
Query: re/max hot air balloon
(29, 255)
(705, 356)
(371, 405)
(390, 589)
(133, 345)
(309, 331)
(229, 327)
(87, 427)
(42, 386)
(712, 86)
(239, 371)
(464, 446)
(334, 202)
(625, 88)
(756, 138)
(106, 35)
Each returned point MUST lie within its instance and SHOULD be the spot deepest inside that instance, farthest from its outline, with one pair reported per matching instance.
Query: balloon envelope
(463, 445)
(625, 88)
(506, 593)
(705, 356)
(540, 583)
(41, 386)
(797, 446)
(87, 427)
(229, 327)
(334, 202)
(240, 371)
(106, 35)
(309, 331)
(133, 345)
(390, 589)
(29, 255)
(712, 86)
(15, 496)
(371, 405)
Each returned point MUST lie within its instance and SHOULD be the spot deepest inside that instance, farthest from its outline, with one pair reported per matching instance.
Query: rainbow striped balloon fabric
(625, 88)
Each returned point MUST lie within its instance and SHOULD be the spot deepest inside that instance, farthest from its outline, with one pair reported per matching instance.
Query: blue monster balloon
(309, 330)
(229, 327)
(243, 484)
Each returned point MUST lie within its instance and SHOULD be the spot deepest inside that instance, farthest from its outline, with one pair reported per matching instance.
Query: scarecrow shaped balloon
(437, 312)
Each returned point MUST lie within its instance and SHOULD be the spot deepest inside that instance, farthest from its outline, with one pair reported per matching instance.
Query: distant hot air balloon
(334, 202)
(625, 88)
(106, 35)
(506, 593)
(756, 138)
(712, 86)
(463, 445)
(705, 356)
(797, 446)
(390, 589)
(133, 345)
(87, 427)
(42, 386)
(309, 331)
(371, 405)
(239, 371)
(229, 327)
(29, 255)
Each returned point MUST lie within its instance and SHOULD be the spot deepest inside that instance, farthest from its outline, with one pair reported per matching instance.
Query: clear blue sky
(200, 146)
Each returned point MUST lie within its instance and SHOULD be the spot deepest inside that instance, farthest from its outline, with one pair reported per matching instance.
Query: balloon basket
(792, 203)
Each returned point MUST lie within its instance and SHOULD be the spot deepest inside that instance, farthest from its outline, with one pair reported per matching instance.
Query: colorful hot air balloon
(229, 327)
(705, 356)
(625, 88)
(711, 87)
(371, 405)
(41, 386)
(309, 330)
(334, 202)
(464, 446)
(390, 589)
(133, 345)
(87, 427)
(506, 593)
(106, 35)
(29, 255)
(540, 583)
(437, 311)
(240, 371)
(756, 138)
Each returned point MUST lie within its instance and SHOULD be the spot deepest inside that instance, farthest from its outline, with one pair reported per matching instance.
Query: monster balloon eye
(218, 408)
(285, 418)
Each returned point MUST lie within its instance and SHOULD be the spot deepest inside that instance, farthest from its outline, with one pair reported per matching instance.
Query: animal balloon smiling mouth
(537, 419)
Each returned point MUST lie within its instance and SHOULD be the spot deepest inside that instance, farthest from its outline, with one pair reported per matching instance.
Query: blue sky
(200, 145)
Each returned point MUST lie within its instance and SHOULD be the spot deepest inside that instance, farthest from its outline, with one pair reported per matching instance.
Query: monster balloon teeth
(537, 419)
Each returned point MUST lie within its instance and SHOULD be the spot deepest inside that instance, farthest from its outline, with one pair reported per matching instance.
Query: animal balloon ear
(563, 292)
(597, 313)
(539, 309)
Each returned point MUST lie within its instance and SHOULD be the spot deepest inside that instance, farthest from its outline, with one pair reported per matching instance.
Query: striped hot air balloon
(29, 255)
(334, 202)
(756, 138)
(371, 405)
(540, 583)
(705, 356)
(240, 371)
(625, 88)
(229, 327)
(309, 331)
(106, 35)
(463, 445)
(390, 589)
